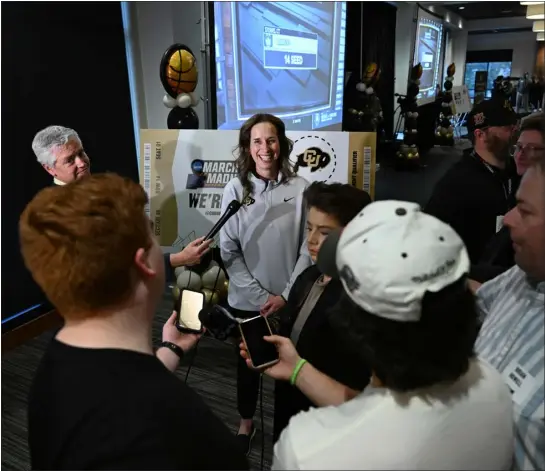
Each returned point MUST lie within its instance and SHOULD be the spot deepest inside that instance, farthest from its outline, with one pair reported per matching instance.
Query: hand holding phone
(288, 358)
(188, 307)
(261, 353)
(186, 341)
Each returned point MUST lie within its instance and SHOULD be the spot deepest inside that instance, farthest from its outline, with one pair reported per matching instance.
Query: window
(494, 69)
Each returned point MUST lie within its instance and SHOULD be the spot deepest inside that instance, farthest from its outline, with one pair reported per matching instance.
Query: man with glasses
(499, 255)
(475, 194)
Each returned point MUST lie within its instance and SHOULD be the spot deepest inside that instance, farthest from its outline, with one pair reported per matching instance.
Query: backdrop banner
(184, 173)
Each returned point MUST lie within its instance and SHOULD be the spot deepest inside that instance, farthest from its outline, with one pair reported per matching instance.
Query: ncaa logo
(197, 166)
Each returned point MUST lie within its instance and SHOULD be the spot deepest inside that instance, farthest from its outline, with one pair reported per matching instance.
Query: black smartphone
(262, 353)
(188, 307)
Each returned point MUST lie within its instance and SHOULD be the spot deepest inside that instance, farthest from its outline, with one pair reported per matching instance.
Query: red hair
(79, 242)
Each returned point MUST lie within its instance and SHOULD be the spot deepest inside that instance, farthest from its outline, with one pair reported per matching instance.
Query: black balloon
(182, 118)
(412, 90)
(448, 85)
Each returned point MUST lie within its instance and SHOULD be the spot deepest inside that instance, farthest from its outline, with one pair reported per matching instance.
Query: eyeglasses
(528, 150)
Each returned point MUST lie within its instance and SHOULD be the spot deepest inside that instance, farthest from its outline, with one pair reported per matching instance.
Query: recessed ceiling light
(507, 11)
(461, 8)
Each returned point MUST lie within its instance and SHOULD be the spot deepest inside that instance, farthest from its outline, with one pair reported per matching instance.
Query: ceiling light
(538, 26)
(540, 36)
(535, 12)
(530, 3)
(461, 8)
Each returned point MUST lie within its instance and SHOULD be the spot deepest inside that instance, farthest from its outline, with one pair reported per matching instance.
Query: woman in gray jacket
(262, 245)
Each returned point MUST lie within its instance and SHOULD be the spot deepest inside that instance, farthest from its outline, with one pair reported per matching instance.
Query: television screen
(283, 58)
(428, 51)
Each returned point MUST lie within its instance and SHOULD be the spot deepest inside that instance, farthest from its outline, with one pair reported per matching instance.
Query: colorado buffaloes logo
(248, 201)
(312, 155)
(313, 158)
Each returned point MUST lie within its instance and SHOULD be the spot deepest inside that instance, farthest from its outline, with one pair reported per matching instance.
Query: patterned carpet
(212, 375)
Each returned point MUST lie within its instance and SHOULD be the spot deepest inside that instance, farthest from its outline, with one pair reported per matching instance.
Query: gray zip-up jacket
(263, 246)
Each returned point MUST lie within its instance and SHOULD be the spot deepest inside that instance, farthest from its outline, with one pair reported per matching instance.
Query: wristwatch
(174, 348)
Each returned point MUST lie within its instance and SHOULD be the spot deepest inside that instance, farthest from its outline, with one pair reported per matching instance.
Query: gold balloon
(211, 297)
(175, 292)
(438, 133)
(224, 289)
(410, 155)
(448, 135)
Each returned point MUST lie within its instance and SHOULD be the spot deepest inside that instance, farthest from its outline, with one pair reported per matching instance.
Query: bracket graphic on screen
(288, 49)
(282, 58)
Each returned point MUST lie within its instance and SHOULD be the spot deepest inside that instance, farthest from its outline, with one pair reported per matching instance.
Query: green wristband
(296, 371)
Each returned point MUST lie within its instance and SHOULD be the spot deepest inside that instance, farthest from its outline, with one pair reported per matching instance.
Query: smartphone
(262, 353)
(190, 304)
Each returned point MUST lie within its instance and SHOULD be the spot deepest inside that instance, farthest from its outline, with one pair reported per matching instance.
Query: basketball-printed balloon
(189, 280)
(178, 70)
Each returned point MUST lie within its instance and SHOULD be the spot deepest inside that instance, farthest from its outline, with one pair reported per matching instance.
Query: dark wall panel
(370, 37)
(62, 63)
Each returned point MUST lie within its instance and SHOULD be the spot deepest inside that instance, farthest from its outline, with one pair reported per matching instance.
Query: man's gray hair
(49, 138)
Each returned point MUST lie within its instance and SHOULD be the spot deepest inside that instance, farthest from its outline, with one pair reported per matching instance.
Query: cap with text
(491, 113)
(390, 255)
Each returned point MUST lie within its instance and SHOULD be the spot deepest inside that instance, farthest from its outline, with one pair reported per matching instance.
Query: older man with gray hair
(60, 152)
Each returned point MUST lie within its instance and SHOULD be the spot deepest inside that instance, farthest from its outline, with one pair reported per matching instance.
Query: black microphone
(233, 207)
(219, 322)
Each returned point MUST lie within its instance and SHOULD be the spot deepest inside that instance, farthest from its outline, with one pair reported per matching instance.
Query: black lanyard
(506, 189)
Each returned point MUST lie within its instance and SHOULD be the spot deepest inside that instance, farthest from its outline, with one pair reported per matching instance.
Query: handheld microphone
(233, 207)
(219, 322)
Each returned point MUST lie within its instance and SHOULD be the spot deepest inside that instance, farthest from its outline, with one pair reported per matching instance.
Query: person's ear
(49, 170)
(143, 266)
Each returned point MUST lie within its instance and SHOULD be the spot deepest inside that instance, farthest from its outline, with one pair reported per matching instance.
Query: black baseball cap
(490, 113)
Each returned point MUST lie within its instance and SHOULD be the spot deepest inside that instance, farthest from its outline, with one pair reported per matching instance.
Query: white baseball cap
(390, 255)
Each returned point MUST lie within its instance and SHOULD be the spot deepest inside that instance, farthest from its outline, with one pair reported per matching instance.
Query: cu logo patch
(314, 157)
(248, 201)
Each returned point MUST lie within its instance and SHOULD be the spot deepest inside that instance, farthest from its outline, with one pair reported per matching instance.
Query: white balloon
(194, 99)
(360, 87)
(189, 280)
(169, 102)
(183, 100)
(179, 270)
(213, 278)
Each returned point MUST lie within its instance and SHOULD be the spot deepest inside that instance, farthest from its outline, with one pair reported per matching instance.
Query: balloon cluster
(179, 75)
(366, 112)
(408, 150)
(208, 278)
(444, 134)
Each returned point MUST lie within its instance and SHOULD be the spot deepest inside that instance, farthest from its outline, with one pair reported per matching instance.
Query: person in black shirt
(102, 398)
(306, 318)
(499, 255)
(475, 193)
